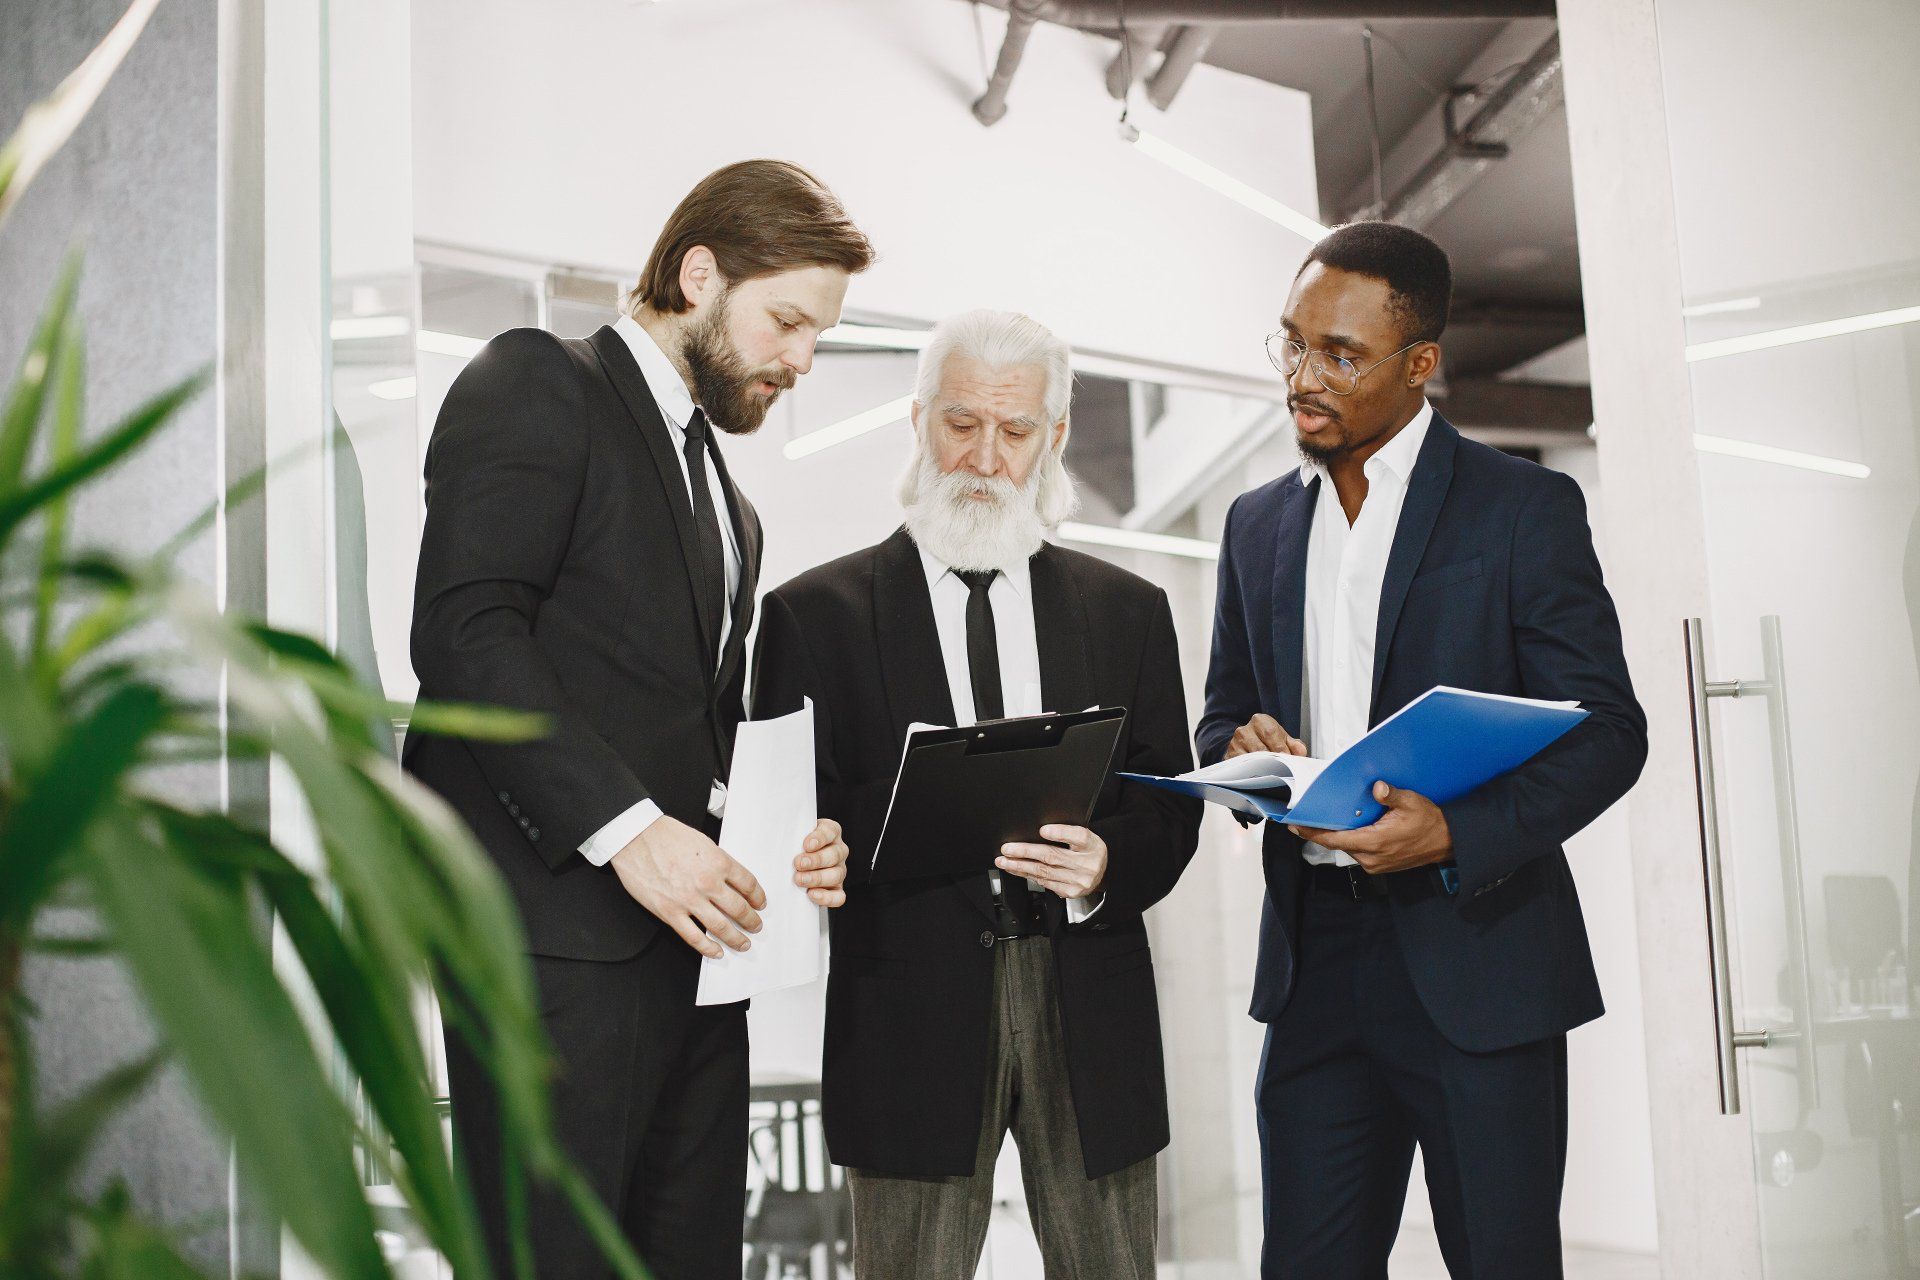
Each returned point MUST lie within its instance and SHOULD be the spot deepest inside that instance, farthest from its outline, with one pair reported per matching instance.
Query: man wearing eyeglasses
(1418, 976)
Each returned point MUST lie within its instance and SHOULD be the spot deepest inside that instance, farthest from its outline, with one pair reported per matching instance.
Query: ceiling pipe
(1102, 15)
(992, 104)
(1506, 115)
(1190, 44)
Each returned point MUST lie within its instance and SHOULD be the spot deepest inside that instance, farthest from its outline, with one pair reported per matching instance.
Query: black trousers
(1354, 1074)
(650, 1100)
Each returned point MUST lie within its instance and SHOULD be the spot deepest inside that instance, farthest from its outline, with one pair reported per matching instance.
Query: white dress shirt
(1011, 598)
(1345, 568)
(676, 406)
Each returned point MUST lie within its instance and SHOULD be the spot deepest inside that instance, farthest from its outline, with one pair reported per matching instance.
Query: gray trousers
(907, 1228)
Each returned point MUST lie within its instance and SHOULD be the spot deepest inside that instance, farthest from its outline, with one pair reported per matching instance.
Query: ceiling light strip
(1226, 184)
(1165, 544)
(1781, 457)
(1801, 333)
(848, 428)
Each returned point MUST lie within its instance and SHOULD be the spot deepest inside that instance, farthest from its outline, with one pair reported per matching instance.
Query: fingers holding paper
(821, 868)
(1073, 867)
(1412, 832)
(1264, 733)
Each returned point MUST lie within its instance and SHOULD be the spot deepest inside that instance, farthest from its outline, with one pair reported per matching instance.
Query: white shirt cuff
(1080, 909)
(600, 847)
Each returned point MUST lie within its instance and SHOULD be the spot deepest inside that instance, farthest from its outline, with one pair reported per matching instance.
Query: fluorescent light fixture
(1721, 308)
(878, 336)
(1224, 183)
(393, 388)
(1801, 333)
(1782, 457)
(847, 428)
(347, 328)
(450, 344)
(1165, 544)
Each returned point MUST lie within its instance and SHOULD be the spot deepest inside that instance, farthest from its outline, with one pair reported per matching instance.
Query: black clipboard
(962, 793)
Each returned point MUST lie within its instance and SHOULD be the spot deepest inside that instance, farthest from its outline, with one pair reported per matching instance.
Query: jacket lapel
(911, 667)
(1426, 494)
(1290, 537)
(1060, 627)
(746, 536)
(617, 362)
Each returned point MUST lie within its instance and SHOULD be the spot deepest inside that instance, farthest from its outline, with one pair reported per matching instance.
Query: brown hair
(758, 217)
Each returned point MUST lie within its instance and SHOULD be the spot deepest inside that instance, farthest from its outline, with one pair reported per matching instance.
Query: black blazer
(910, 994)
(1492, 585)
(556, 576)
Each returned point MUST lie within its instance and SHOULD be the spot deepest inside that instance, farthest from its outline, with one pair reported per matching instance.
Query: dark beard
(722, 382)
(1321, 451)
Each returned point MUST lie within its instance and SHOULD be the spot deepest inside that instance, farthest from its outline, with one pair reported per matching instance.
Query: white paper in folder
(771, 806)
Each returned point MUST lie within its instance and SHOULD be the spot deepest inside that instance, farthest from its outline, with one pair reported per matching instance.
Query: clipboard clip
(1024, 734)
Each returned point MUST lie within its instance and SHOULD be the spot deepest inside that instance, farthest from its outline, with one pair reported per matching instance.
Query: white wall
(569, 129)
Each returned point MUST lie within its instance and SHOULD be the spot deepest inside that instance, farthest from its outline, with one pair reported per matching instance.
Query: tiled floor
(1011, 1255)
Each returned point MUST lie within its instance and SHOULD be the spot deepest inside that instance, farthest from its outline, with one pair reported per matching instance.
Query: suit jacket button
(523, 824)
(514, 809)
(505, 798)
(986, 938)
(533, 833)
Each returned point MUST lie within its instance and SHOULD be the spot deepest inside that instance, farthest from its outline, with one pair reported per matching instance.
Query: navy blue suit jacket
(1491, 584)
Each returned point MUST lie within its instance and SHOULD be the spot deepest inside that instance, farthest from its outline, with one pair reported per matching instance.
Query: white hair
(1002, 340)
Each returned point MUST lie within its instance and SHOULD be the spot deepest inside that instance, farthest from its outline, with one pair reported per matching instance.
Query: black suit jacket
(1492, 585)
(556, 576)
(911, 990)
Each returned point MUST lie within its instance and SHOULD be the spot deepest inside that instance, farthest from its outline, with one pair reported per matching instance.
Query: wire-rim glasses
(1336, 373)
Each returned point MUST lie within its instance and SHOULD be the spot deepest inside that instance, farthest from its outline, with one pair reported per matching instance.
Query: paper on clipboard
(771, 806)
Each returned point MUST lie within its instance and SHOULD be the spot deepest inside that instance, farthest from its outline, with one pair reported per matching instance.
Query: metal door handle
(1727, 1037)
(1723, 1035)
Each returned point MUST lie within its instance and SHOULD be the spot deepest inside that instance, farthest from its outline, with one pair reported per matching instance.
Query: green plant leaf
(26, 401)
(69, 381)
(192, 945)
(68, 1135)
(58, 802)
(49, 123)
(97, 457)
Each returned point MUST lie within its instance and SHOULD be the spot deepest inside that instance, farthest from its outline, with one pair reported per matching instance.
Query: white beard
(964, 532)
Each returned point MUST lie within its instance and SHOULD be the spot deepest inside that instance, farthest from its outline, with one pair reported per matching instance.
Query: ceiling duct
(1104, 16)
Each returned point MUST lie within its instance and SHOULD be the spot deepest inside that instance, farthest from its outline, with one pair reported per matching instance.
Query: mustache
(1312, 406)
(781, 380)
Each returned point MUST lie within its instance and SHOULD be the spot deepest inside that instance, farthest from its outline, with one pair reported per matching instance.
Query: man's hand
(689, 882)
(1074, 871)
(1263, 733)
(1411, 833)
(821, 867)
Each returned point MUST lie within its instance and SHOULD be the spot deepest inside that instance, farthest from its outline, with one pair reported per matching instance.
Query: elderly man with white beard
(1020, 1000)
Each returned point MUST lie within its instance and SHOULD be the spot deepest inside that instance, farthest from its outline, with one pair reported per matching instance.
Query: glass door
(1796, 162)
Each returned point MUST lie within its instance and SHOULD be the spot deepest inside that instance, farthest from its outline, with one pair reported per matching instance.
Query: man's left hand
(821, 867)
(1073, 868)
(1411, 833)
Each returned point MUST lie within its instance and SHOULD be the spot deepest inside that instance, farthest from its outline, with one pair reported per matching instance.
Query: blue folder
(1443, 744)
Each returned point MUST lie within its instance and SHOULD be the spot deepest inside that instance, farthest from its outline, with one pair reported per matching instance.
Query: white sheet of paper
(771, 806)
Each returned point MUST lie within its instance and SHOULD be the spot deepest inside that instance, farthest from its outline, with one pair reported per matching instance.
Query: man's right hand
(1263, 733)
(690, 883)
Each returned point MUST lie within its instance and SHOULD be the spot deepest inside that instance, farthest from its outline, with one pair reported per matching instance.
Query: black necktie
(1013, 903)
(983, 647)
(710, 586)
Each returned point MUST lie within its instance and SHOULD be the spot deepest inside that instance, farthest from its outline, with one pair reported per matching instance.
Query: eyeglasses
(1336, 373)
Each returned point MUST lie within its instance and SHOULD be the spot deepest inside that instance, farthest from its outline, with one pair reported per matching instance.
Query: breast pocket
(1447, 575)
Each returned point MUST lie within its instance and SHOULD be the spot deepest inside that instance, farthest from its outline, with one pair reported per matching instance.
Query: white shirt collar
(669, 392)
(1019, 577)
(1398, 455)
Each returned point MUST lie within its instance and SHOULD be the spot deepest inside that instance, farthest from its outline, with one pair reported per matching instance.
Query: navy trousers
(1354, 1074)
